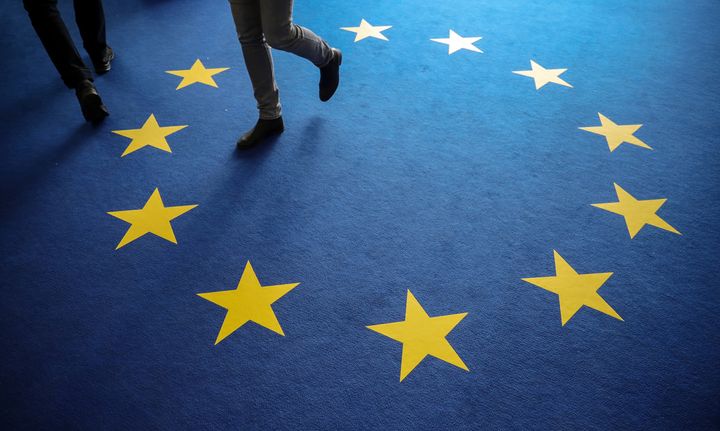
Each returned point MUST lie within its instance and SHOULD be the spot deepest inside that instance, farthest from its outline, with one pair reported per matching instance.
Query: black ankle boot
(90, 102)
(330, 76)
(263, 129)
(102, 61)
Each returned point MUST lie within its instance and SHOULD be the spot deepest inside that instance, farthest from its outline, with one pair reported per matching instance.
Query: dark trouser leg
(51, 29)
(256, 53)
(281, 33)
(90, 19)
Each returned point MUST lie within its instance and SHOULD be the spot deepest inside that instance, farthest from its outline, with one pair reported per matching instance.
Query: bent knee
(252, 38)
(281, 37)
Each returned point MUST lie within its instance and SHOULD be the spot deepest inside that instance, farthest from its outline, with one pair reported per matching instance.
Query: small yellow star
(637, 213)
(574, 290)
(422, 335)
(543, 76)
(366, 30)
(197, 73)
(248, 302)
(616, 134)
(153, 218)
(150, 134)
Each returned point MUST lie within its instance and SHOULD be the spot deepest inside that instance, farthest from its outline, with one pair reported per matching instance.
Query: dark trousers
(51, 29)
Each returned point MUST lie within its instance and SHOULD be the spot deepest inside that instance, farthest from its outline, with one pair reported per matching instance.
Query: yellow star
(616, 134)
(543, 76)
(197, 73)
(150, 134)
(248, 302)
(153, 218)
(637, 213)
(422, 335)
(575, 290)
(366, 30)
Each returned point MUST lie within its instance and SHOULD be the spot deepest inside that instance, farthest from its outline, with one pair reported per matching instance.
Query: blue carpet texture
(445, 175)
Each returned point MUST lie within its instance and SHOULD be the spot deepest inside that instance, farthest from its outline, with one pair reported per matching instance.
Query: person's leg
(54, 36)
(281, 33)
(90, 19)
(258, 60)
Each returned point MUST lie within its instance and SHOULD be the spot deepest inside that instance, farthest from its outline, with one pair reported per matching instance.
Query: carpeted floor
(446, 175)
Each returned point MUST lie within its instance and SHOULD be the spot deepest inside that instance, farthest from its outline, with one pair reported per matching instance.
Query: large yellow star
(153, 218)
(637, 212)
(575, 290)
(616, 134)
(150, 134)
(248, 302)
(422, 335)
(543, 76)
(197, 73)
(366, 30)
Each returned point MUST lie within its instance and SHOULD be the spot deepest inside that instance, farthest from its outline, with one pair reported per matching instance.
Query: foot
(90, 102)
(102, 63)
(262, 130)
(330, 76)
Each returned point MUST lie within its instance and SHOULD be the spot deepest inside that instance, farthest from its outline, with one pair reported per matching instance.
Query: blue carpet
(447, 175)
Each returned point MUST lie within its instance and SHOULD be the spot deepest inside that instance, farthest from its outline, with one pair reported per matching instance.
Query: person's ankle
(85, 83)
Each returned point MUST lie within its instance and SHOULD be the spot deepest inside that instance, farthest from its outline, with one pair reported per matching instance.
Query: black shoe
(262, 130)
(90, 102)
(102, 63)
(330, 76)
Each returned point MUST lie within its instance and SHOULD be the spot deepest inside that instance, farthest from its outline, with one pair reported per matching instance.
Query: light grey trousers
(262, 24)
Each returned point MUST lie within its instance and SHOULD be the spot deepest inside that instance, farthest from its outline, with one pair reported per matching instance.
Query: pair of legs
(51, 29)
(56, 39)
(262, 24)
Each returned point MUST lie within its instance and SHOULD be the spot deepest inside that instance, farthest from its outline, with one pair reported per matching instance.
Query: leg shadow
(312, 132)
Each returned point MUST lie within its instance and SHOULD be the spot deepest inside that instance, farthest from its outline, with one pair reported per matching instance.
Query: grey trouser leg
(262, 24)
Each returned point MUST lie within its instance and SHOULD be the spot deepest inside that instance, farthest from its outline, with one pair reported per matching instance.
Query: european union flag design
(506, 218)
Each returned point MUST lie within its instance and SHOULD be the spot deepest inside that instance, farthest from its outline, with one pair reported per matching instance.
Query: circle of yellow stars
(420, 334)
